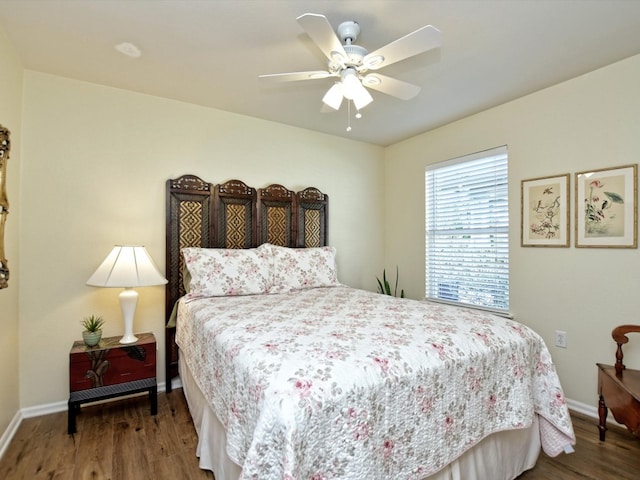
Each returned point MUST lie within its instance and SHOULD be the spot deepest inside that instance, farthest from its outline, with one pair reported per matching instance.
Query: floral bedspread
(335, 382)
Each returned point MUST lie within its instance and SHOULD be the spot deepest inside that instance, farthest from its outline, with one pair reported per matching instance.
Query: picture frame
(545, 212)
(606, 208)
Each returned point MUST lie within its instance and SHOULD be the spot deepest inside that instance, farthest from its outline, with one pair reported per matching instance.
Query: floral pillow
(217, 272)
(300, 268)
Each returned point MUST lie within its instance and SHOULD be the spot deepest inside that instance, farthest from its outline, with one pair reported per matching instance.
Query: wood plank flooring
(117, 440)
(617, 458)
(120, 441)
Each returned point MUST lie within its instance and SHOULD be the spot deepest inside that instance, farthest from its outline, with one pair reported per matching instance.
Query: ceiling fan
(351, 63)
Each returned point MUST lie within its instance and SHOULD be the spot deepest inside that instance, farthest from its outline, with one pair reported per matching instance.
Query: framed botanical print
(545, 212)
(606, 207)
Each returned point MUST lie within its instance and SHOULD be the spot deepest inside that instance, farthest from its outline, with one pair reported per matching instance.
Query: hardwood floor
(117, 440)
(617, 458)
(120, 441)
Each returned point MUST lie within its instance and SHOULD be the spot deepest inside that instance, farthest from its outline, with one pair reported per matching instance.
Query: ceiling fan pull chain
(348, 115)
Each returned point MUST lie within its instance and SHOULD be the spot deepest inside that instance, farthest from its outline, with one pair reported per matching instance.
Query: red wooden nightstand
(111, 369)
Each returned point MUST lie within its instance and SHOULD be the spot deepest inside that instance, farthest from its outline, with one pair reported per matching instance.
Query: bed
(289, 374)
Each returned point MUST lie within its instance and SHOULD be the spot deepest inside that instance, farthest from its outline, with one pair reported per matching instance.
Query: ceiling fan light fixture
(333, 97)
(350, 62)
(362, 98)
(353, 89)
(350, 83)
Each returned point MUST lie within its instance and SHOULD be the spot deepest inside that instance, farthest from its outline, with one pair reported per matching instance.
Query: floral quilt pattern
(335, 382)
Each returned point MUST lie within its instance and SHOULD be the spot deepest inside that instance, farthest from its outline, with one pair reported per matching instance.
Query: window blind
(467, 230)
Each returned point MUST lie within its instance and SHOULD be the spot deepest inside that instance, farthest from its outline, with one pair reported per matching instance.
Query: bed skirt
(501, 456)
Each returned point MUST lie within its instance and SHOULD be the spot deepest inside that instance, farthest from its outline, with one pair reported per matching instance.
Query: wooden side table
(619, 387)
(111, 369)
(620, 394)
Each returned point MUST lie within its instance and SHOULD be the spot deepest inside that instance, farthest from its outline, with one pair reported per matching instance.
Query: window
(467, 230)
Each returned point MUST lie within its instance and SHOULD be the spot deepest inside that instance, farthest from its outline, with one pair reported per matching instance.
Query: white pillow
(300, 268)
(217, 272)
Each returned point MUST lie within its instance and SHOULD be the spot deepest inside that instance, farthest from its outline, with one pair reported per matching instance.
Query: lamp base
(128, 301)
(128, 339)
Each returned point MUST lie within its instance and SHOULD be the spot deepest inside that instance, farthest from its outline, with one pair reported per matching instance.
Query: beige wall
(587, 123)
(10, 114)
(97, 159)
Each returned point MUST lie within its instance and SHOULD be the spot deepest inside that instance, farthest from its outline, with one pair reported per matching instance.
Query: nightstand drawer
(111, 363)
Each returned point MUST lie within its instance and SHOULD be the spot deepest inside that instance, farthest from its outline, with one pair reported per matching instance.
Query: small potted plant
(92, 330)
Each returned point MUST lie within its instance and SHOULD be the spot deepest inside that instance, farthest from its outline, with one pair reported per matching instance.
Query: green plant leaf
(92, 323)
(384, 286)
(395, 292)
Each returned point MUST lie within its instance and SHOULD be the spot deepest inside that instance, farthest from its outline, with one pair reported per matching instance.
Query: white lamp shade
(350, 83)
(362, 98)
(333, 97)
(127, 266)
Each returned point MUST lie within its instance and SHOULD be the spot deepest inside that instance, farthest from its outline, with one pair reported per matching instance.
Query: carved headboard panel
(233, 215)
(189, 222)
(312, 218)
(234, 208)
(276, 221)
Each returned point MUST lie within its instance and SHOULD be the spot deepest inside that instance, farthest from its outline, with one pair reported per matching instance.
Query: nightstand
(111, 369)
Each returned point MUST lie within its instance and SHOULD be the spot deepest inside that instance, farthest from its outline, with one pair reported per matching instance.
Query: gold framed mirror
(5, 147)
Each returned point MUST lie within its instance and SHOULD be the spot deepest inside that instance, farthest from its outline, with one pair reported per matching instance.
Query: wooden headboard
(233, 215)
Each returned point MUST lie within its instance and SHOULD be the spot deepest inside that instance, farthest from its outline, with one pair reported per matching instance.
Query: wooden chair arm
(619, 334)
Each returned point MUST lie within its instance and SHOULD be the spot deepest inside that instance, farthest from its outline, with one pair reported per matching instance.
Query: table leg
(71, 418)
(602, 414)
(153, 399)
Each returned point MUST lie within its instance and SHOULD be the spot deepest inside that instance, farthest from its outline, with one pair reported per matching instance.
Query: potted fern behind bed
(385, 288)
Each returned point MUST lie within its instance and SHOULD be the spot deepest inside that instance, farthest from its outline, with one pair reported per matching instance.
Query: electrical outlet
(561, 339)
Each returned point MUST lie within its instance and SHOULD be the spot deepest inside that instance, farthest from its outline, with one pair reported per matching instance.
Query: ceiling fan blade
(296, 76)
(320, 30)
(417, 42)
(391, 86)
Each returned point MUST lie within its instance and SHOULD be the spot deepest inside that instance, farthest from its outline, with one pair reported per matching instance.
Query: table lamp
(127, 267)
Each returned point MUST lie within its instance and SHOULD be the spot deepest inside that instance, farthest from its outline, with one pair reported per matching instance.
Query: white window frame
(467, 232)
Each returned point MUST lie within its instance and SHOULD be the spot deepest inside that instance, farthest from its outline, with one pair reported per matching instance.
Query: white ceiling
(210, 52)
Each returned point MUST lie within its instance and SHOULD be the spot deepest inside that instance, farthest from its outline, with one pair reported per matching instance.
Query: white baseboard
(55, 407)
(583, 408)
(46, 409)
(590, 411)
(8, 434)
(176, 382)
